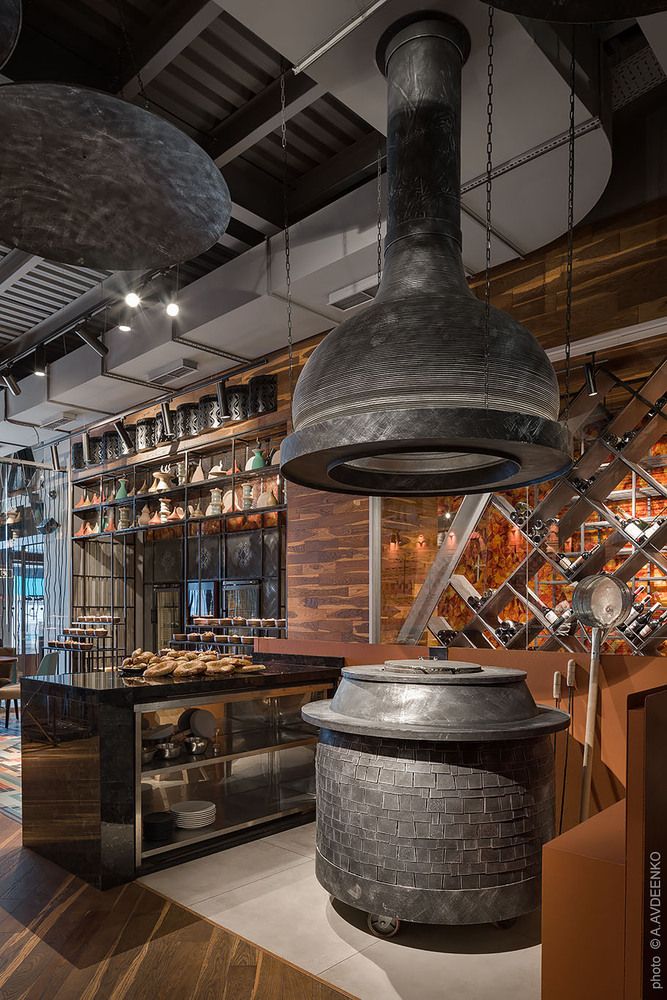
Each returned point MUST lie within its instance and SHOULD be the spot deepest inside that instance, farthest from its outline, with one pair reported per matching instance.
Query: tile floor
(267, 892)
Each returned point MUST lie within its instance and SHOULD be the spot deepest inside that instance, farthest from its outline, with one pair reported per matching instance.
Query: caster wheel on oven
(383, 927)
(504, 925)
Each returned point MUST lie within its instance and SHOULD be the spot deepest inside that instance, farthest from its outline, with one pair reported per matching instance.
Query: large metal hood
(421, 393)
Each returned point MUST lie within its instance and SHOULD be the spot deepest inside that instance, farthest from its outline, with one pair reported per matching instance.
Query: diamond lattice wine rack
(606, 515)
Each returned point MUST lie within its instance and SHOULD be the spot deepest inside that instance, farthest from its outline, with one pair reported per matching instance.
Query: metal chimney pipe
(416, 395)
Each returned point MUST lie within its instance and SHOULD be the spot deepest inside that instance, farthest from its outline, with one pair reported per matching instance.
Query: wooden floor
(62, 939)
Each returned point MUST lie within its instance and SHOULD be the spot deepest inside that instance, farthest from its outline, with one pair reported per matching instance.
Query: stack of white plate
(194, 814)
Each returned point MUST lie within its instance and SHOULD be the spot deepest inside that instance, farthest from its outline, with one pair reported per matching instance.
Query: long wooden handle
(591, 716)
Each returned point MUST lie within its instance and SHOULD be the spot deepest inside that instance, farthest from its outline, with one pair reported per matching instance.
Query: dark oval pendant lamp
(10, 26)
(411, 396)
(580, 11)
(88, 179)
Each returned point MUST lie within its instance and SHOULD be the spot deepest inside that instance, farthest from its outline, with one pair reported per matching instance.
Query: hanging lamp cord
(286, 239)
(570, 229)
(489, 192)
(130, 53)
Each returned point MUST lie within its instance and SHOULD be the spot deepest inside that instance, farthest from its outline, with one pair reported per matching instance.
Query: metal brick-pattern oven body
(432, 832)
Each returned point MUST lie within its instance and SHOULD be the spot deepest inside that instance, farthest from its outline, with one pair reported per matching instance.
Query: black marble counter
(112, 688)
(81, 773)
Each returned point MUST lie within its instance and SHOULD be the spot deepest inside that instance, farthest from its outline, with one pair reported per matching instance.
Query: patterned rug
(10, 770)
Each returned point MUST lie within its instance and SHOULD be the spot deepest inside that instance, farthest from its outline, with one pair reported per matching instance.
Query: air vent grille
(175, 373)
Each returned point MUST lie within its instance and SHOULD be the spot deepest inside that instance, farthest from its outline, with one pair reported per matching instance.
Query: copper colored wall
(327, 566)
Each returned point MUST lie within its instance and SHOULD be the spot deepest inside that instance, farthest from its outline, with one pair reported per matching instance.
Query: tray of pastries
(175, 664)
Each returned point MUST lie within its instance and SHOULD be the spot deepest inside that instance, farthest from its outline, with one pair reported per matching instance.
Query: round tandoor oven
(435, 791)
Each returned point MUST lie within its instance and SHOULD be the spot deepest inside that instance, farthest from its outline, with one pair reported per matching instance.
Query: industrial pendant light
(120, 188)
(419, 394)
(580, 11)
(10, 26)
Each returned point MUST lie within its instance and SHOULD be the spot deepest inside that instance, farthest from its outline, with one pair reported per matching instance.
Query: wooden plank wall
(619, 280)
(327, 566)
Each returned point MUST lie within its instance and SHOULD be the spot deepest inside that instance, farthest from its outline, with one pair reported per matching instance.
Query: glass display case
(257, 764)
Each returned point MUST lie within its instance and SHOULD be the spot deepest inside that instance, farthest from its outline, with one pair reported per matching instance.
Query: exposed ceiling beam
(350, 167)
(655, 32)
(256, 191)
(261, 115)
(166, 37)
(14, 266)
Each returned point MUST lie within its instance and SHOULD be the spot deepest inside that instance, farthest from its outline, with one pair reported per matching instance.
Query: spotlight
(40, 362)
(448, 515)
(167, 422)
(125, 439)
(591, 382)
(223, 405)
(93, 343)
(173, 308)
(10, 383)
(55, 458)
(132, 300)
(125, 324)
(85, 442)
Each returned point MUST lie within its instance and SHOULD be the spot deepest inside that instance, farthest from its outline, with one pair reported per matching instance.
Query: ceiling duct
(580, 11)
(411, 396)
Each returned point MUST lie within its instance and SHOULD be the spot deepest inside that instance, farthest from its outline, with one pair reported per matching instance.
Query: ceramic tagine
(145, 516)
(198, 476)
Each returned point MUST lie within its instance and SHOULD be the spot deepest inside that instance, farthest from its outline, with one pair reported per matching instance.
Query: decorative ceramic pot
(187, 420)
(121, 492)
(162, 480)
(124, 518)
(247, 496)
(237, 400)
(256, 460)
(209, 414)
(97, 452)
(77, 456)
(145, 516)
(263, 395)
(111, 446)
(146, 434)
(214, 509)
(165, 509)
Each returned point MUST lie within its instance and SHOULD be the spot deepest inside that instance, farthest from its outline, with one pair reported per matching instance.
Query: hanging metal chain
(570, 229)
(288, 272)
(379, 209)
(489, 192)
(130, 52)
